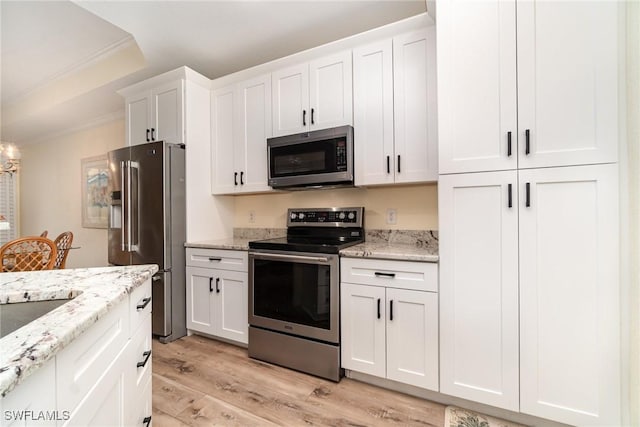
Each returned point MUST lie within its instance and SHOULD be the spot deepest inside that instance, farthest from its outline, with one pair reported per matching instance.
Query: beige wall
(416, 206)
(50, 189)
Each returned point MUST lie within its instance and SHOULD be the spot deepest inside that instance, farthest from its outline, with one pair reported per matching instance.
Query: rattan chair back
(28, 254)
(63, 244)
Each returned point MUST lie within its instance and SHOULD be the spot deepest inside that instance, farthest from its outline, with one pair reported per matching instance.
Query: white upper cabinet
(567, 82)
(314, 95)
(240, 126)
(395, 118)
(562, 110)
(156, 114)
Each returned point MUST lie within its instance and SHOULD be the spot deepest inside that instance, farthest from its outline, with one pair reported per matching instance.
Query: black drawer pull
(241, 178)
(148, 140)
(388, 164)
(390, 275)
(235, 178)
(527, 139)
(153, 138)
(214, 259)
(527, 202)
(217, 285)
(145, 302)
(391, 310)
(304, 117)
(146, 421)
(210, 284)
(378, 308)
(398, 163)
(509, 145)
(147, 355)
(510, 196)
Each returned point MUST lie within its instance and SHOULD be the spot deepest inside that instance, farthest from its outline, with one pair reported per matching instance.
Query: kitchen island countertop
(94, 292)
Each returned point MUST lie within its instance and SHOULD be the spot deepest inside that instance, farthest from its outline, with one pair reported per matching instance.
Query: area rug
(458, 417)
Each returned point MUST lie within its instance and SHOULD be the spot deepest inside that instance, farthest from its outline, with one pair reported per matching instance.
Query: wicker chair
(28, 254)
(63, 244)
(44, 233)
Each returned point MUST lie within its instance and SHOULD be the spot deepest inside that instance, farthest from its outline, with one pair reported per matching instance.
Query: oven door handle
(283, 257)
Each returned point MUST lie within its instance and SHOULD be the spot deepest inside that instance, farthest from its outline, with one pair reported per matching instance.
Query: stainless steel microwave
(311, 159)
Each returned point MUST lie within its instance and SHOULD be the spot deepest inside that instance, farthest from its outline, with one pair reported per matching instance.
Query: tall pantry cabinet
(528, 206)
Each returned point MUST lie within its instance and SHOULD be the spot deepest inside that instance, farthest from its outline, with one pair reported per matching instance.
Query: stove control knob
(293, 215)
(301, 215)
(352, 215)
(341, 215)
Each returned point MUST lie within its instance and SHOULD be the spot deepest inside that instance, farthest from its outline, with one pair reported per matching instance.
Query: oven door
(295, 293)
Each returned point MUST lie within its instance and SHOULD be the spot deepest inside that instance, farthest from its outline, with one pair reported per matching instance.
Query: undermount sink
(16, 315)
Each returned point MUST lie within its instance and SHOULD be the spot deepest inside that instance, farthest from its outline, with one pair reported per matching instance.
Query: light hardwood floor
(203, 382)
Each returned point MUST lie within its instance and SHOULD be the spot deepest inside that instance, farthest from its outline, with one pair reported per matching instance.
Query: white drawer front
(88, 357)
(140, 305)
(139, 360)
(217, 258)
(420, 276)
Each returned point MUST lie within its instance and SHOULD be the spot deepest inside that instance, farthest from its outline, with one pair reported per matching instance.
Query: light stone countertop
(232, 243)
(392, 251)
(95, 292)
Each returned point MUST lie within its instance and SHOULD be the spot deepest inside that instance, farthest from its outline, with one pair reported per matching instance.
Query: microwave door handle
(282, 257)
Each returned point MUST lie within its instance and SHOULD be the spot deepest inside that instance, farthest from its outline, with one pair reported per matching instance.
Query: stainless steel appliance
(147, 225)
(317, 158)
(294, 295)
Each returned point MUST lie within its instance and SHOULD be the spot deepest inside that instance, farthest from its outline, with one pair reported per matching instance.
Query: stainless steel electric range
(294, 294)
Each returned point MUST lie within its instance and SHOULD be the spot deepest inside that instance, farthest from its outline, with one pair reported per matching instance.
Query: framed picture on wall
(95, 206)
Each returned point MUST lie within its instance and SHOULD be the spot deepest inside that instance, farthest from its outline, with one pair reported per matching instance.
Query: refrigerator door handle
(134, 168)
(123, 241)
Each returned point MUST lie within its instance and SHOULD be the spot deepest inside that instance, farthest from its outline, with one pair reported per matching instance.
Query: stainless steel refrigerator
(147, 225)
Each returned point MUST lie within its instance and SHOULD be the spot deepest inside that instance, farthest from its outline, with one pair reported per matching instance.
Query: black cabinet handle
(147, 355)
(145, 302)
(146, 421)
(148, 140)
(217, 285)
(527, 137)
(241, 178)
(378, 308)
(214, 259)
(153, 137)
(398, 163)
(509, 145)
(210, 284)
(379, 274)
(388, 164)
(527, 202)
(391, 310)
(312, 116)
(304, 117)
(235, 178)
(510, 196)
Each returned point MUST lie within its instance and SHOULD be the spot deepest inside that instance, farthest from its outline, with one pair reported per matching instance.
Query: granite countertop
(95, 291)
(403, 245)
(233, 243)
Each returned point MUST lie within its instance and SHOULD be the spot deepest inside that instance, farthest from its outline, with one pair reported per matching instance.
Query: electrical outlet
(252, 217)
(392, 216)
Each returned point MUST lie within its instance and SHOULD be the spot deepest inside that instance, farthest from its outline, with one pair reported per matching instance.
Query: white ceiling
(52, 52)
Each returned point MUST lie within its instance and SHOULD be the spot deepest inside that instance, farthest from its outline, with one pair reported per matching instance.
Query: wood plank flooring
(203, 382)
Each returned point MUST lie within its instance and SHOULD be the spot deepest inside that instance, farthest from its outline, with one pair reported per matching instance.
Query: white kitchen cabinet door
(568, 82)
(569, 295)
(373, 113)
(479, 287)
(363, 327)
(330, 91)
(415, 107)
(253, 128)
(199, 306)
(168, 120)
(222, 140)
(477, 85)
(412, 337)
(291, 100)
(138, 117)
(230, 305)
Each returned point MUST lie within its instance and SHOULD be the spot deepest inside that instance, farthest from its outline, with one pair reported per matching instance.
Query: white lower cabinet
(390, 331)
(217, 295)
(103, 378)
(529, 294)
